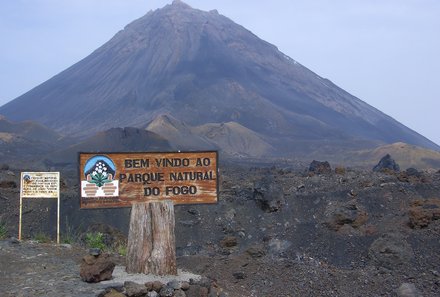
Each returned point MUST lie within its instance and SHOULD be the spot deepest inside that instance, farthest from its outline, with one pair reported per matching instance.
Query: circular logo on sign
(99, 170)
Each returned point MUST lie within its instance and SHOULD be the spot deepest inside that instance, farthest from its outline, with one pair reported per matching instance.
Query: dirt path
(32, 269)
(28, 268)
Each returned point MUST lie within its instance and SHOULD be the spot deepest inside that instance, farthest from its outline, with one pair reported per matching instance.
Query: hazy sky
(386, 52)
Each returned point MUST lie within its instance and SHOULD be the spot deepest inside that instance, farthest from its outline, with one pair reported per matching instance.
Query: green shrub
(67, 238)
(3, 230)
(70, 235)
(122, 250)
(42, 238)
(95, 240)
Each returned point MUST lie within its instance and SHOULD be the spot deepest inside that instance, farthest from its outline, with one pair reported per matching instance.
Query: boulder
(94, 269)
(179, 293)
(185, 285)
(154, 286)
(268, 195)
(239, 275)
(390, 251)
(229, 241)
(387, 164)
(152, 294)
(213, 292)
(8, 184)
(197, 291)
(348, 213)
(204, 282)
(408, 290)
(166, 291)
(14, 240)
(411, 175)
(175, 284)
(133, 289)
(413, 172)
(318, 167)
(256, 251)
(278, 247)
(95, 251)
(111, 292)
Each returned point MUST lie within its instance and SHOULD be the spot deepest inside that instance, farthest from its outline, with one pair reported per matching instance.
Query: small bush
(70, 235)
(122, 250)
(67, 239)
(95, 240)
(42, 238)
(340, 170)
(3, 230)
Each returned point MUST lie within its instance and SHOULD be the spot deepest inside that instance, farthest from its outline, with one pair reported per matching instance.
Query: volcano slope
(201, 68)
(284, 231)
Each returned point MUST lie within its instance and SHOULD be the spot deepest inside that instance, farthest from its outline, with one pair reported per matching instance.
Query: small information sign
(119, 179)
(40, 185)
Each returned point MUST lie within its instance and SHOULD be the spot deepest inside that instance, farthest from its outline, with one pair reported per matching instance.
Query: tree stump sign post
(151, 184)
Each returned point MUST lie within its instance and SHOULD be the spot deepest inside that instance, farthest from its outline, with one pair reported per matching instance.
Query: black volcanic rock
(200, 67)
(319, 167)
(387, 163)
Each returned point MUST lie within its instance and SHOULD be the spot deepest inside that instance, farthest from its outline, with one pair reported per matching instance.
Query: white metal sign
(40, 185)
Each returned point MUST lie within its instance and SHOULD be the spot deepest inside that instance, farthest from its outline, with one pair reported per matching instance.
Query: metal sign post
(39, 185)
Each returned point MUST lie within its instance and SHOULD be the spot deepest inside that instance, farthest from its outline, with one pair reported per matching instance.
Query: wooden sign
(39, 185)
(119, 179)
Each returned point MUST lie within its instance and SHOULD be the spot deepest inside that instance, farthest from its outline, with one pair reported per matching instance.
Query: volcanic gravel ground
(276, 231)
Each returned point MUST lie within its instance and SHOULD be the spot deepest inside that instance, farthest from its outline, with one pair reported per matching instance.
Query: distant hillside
(404, 154)
(29, 130)
(113, 140)
(235, 139)
(201, 68)
(179, 134)
(27, 141)
(231, 138)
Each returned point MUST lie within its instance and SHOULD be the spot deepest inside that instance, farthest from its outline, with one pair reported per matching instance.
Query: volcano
(204, 70)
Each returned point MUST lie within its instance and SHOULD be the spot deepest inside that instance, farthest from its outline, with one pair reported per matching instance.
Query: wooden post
(151, 239)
